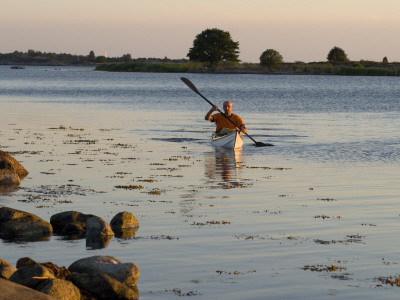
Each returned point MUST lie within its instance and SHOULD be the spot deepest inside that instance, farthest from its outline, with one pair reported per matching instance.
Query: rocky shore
(95, 277)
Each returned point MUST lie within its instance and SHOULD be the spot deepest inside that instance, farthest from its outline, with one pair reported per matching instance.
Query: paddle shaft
(194, 89)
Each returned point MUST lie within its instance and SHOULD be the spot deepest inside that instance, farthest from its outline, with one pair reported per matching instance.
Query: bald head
(228, 108)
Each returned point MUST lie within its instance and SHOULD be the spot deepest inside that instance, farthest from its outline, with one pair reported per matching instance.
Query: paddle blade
(190, 84)
(261, 144)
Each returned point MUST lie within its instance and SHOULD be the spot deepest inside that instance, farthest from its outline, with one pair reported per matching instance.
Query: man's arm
(209, 116)
(243, 128)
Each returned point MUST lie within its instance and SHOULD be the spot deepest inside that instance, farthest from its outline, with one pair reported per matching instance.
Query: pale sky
(301, 30)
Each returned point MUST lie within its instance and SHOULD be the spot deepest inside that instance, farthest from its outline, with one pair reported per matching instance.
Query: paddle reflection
(223, 165)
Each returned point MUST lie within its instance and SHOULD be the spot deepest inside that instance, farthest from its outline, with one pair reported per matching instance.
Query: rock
(6, 269)
(126, 273)
(7, 162)
(69, 222)
(124, 225)
(17, 224)
(9, 178)
(59, 272)
(11, 290)
(97, 227)
(124, 220)
(60, 289)
(26, 275)
(125, 233)
(103, 286)
(25, 261)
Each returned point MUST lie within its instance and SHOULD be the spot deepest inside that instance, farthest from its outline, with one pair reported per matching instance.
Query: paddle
(194, 89)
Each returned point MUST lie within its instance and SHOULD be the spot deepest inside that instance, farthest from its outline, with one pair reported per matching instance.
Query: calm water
(214, 224)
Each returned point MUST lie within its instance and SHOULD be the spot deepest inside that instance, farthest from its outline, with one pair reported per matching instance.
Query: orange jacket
(223, 122)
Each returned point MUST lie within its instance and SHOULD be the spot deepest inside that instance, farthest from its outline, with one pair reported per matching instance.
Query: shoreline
(314, 68)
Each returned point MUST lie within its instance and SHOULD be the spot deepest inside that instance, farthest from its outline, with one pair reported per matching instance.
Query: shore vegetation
(298, 68)
(126, 63)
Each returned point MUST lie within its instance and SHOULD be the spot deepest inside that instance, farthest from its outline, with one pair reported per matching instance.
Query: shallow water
(248, 224)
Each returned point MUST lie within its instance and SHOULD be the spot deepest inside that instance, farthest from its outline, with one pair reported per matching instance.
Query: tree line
(216, 46)
(33, 57)
(212, 48)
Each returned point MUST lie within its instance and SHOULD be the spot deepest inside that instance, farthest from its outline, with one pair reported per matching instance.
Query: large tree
(271, 58)
(337, 55)
(214, 46)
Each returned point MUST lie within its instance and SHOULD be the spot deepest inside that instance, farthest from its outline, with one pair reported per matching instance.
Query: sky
(300, 30)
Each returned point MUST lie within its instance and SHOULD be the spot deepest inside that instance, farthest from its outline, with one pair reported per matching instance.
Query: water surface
(216, 224)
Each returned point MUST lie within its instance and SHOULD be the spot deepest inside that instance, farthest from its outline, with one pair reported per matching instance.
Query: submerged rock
(96, 227)
(124, 225)
(9, 178)
(124, 220)
(17, 224)
(69, 222)
(126, 273)
(7, 162)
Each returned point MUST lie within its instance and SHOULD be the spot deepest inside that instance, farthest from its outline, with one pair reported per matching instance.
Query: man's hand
(208, 115)
(243, 129)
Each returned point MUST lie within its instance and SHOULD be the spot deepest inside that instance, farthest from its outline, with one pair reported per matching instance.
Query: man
(222, 121)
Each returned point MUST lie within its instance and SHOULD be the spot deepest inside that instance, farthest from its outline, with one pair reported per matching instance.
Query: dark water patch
(178, 140)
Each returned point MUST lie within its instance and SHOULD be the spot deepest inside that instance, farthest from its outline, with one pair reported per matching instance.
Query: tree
(271, 58)
(126, 58)
(214, 46)
(91, 56)
(337, 55)
(385, 60)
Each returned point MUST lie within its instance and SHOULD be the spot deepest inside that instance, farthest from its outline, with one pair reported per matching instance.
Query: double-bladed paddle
(194, 89)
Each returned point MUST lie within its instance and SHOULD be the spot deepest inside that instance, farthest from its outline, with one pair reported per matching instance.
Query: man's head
(228, 108)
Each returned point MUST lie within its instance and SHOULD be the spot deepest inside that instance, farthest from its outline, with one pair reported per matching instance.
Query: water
(215, 224)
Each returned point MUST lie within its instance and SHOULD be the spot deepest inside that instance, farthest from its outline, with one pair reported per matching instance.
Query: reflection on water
(223, 164)
(93, 243)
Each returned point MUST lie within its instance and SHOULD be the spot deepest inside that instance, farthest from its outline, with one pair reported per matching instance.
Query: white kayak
(229, 141)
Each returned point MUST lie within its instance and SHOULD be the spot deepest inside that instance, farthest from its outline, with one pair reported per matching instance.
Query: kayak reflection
(223, 164)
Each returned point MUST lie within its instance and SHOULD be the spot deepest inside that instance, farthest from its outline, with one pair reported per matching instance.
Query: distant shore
(363, 68)
(316, 68)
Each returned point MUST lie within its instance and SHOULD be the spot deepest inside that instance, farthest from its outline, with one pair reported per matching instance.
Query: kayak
(229, 141)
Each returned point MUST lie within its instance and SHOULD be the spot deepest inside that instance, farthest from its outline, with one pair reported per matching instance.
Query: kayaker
(222, 122)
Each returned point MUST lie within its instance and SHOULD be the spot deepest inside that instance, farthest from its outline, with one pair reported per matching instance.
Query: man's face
(228, 107)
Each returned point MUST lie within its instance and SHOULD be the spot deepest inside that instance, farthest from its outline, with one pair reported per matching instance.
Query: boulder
(60, 289)
(31, 275)
(69, 222)
(9, 178)
(103, 286)
(59, 272)
(124, 220)
(11, 290)
(97, 227)
(7, 162)
(6, 269)
(17, 224)
(126, 233)
(25, 261)
(124, 225)
(126, 273)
